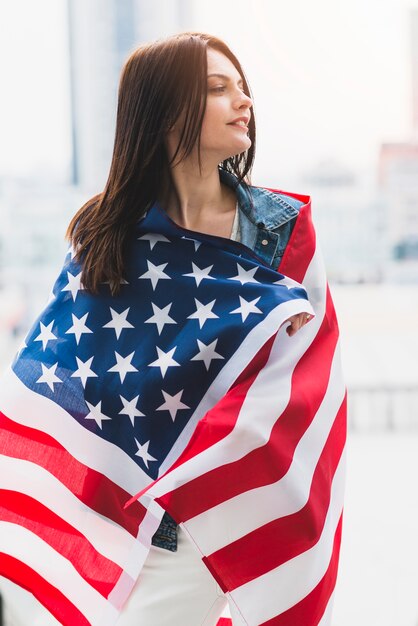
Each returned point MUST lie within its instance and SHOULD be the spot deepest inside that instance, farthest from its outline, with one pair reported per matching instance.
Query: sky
(330, 79)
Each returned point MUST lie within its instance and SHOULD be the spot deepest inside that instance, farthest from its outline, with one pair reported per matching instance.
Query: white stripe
(225, 523)
(237, 618)
(31, 550)
(150, 522)
(106, 536)
(253, 342)
(283, 587)
(147, 528)
(24, 406)
(273, 381)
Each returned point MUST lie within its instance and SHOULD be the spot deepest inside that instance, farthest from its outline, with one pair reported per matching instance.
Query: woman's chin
(244, 145)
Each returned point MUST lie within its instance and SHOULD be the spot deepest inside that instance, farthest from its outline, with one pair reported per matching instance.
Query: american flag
(186, 387)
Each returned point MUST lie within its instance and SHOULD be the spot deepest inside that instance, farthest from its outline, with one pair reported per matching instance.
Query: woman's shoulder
(267, 207)
(274, 207)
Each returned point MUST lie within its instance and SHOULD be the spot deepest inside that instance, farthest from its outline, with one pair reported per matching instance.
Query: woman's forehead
(220, 66)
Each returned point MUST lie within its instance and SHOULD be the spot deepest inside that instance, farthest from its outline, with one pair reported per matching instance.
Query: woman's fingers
(296, 322)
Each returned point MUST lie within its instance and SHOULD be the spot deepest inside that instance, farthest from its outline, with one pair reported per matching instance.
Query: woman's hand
(296, 322)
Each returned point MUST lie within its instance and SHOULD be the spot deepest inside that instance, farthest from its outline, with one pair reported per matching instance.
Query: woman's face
(226, 101)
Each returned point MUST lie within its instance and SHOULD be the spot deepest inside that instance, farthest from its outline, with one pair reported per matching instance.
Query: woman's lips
(238, 126)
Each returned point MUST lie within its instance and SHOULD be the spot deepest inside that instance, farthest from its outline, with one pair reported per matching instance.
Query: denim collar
(261, 206)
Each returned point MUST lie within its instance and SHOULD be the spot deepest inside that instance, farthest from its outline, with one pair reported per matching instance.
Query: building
(102, 34)
(32, 250)
(398, 183)
(398, 176)
(349, 218)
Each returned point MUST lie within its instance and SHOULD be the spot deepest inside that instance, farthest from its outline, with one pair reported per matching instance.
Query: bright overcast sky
(330, 78)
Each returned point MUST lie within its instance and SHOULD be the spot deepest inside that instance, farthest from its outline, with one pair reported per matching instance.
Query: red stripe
(224, 621)
(310, 610)
(309, 384)
(100, 573)
(50, 597)
(300, 248)
(274, 543)
(95, 490)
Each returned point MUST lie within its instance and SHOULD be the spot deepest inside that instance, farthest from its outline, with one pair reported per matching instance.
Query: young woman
(180, 178)
(185, 137)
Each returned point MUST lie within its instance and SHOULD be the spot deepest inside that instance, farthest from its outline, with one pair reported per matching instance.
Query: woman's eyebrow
(225, 77)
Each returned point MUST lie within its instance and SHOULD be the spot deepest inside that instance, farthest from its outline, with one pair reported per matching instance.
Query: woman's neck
(194, 203)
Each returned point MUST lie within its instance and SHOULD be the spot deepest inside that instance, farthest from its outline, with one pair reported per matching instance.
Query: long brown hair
(159, 81)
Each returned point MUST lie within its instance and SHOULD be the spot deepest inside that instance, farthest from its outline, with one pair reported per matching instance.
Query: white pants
(174, 589)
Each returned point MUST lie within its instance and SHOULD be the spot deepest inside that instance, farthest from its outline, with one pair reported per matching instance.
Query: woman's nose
(247, 100)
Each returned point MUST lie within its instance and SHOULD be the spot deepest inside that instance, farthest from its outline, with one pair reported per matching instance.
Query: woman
(173, 130)
(88, 403)
(202, 200)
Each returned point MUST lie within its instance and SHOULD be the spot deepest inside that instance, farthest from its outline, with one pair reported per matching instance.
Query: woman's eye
(217, 89)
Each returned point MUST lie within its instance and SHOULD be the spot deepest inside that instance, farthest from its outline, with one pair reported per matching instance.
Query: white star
(96, 413)
(203, 312)
(48, 376)
(172, 404)
(164, 360)
(129, 408)
(143, 453)
(74, 284)
(288, 282)
(200, 273)
(84, 372)
(196, 243)
(123, 365)
(153, 238)
(118, 321)
(206, 353)
(79, 327)
(46, 334)
(247, 307)
(245, 276)
(160, 317)
(155, 273)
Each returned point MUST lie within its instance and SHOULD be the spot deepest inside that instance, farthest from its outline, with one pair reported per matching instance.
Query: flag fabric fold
(185, 394)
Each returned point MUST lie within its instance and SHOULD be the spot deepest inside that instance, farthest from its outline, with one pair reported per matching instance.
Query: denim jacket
(266, 222)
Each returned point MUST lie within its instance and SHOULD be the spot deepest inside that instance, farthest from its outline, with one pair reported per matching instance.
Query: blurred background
(335, 92)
